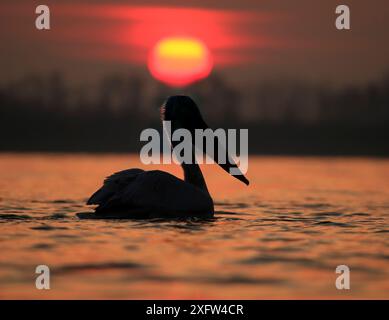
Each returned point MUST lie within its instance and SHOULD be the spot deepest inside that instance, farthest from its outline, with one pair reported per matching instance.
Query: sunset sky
(249, 41)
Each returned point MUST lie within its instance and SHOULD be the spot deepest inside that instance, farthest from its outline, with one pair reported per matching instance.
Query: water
(281, 237)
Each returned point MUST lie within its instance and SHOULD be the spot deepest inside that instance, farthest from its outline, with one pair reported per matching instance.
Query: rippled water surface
(281, 237)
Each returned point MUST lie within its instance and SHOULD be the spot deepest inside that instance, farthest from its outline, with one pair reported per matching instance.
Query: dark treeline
(45, 113)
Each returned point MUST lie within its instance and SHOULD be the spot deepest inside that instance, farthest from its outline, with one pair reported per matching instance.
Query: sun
(179, 62)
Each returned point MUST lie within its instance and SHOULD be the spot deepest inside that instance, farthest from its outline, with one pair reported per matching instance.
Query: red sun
(179, 62)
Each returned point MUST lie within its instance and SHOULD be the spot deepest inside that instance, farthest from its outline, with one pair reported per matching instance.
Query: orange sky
(250, 41)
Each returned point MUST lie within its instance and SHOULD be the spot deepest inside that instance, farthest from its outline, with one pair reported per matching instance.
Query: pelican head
(183, 113)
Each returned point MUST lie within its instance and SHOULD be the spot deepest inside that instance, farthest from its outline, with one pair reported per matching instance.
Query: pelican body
(135, 193)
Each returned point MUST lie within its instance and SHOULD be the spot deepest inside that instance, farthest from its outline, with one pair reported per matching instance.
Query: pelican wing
(151, 193)
(113, 184)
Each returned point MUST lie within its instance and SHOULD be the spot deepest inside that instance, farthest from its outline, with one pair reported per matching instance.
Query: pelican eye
(162, 111)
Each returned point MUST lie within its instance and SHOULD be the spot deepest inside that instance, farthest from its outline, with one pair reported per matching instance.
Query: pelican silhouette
(135, 193)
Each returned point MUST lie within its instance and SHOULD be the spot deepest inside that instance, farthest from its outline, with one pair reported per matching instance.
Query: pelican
(135, 193)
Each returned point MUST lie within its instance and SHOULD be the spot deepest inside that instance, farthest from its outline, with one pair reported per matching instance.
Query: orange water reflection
(282, 237)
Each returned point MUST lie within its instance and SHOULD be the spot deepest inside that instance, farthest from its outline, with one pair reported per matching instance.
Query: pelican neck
(194, 176)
